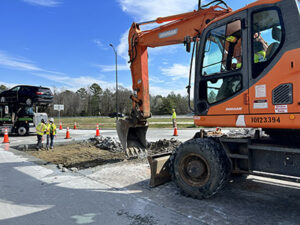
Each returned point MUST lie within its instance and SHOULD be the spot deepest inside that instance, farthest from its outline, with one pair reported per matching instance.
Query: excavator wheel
(200, 167)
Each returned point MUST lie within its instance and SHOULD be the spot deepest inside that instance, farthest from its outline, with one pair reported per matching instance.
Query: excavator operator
(260, 48)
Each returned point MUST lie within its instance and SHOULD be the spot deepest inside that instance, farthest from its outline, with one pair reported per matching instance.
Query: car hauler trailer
(19, 119)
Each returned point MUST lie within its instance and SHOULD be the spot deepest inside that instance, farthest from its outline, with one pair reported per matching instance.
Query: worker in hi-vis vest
(40, 131)
(51, 132)
(174, 118)
(260, 48)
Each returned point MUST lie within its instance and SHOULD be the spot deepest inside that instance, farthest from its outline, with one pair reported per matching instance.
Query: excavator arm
(181, 28)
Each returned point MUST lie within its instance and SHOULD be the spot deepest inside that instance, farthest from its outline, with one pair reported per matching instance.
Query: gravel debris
(107, 143)
(113, 145)
(74, 169)
(162, 146)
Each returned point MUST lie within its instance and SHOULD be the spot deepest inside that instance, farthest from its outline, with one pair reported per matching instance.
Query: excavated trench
(95, 152)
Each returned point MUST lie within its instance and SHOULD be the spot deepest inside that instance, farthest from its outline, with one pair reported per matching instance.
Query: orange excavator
(247, 75)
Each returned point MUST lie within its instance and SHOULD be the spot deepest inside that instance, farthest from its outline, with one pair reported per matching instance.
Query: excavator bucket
(132, 137)
(160, 169)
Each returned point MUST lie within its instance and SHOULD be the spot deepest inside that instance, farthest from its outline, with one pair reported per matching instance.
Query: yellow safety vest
(259, 56)
(51, 129)
(231, 39)
(174, 115)
(238, 65)
(40, 129)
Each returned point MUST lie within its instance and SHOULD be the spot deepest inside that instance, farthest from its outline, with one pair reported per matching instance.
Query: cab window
(223, 49)
(266, 38)
(222, 88)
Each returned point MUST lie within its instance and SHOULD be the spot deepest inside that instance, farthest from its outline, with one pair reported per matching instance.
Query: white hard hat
(51, 120)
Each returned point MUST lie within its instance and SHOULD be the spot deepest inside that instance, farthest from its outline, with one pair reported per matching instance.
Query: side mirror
(187, 43)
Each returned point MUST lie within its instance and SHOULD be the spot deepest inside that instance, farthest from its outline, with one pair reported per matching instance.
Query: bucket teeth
(127, 152)
(132, 136)
(136, 152)
(132, 152)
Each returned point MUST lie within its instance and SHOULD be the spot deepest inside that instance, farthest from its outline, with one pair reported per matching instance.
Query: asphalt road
(152, 135)
(32, 193)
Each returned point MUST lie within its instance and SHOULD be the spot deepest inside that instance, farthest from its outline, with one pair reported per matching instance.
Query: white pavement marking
(10, 210)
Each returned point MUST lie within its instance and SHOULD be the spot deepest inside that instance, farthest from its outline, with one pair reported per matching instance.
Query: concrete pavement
(32, 194)
(36, 193)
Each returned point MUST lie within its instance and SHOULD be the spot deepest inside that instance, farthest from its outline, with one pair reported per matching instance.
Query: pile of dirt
(80, 156)
(162, 146)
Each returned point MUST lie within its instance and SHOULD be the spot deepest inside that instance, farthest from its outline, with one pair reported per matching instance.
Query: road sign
(59, 107)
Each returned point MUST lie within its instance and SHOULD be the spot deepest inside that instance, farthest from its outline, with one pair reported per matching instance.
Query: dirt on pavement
(97, 151)
(83, 155)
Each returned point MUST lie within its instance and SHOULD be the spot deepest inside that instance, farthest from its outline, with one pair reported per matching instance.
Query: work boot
(47, 148)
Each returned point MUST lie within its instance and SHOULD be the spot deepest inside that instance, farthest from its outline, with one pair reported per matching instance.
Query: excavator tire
(200, 167)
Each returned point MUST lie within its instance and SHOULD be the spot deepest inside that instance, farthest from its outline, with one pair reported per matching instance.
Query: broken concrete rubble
(162, 146)
(107, 143)
(112, 144)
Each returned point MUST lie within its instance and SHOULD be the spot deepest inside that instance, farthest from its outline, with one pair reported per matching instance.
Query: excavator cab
(246, 76)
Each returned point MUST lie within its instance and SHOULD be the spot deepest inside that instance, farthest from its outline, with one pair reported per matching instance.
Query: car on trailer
(27, 95)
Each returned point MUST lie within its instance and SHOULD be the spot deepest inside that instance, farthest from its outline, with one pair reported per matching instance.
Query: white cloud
(144, 10)
(155, 90)
(153, 79)
(98, 43)
(74, 83)
(176, 71)
(122, 48)
(17, 63)
(46, 3)
(110, 68)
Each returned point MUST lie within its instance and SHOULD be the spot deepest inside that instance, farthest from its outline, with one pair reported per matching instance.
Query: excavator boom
(132, 131)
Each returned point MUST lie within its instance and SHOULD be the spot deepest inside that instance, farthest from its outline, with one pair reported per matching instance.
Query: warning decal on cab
(281, 108)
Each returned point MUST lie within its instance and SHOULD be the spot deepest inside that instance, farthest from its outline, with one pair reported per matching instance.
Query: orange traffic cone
(68, 134)
(5, 140)
(60, 126)
(175, 132)
(75, 126)
(97, 131)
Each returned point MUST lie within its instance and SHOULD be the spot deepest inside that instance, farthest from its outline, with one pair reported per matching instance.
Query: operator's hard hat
(173, 110)
(51, 120)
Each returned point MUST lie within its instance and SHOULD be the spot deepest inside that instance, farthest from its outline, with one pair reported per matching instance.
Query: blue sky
(65, 43)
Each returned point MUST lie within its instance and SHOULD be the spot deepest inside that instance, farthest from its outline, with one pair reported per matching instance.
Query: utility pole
(116, 59)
